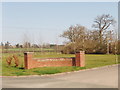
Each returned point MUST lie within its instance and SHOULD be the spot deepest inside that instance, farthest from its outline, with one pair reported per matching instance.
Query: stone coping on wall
(54, 59)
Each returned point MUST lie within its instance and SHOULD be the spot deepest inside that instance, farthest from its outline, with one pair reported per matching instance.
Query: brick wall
(31, 62)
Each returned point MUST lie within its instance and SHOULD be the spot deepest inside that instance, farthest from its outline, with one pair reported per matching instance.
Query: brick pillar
(28, 59)
(80, 59)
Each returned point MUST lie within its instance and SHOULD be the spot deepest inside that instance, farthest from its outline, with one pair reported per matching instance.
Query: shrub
(68, 49)
(16, 60)
(9, 60)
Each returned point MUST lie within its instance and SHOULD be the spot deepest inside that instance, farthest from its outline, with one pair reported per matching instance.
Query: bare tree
(102, 23)
(76, 36)
(40, 43)
(26, 42)
(74, 33)
(109, 40)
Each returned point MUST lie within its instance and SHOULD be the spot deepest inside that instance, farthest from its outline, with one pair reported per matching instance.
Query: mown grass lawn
(92, 61)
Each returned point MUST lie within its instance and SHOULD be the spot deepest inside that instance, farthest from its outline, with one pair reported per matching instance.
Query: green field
(28, 49)
(92, 61)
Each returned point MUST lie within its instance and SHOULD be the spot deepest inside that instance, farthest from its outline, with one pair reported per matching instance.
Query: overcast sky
(44, 22)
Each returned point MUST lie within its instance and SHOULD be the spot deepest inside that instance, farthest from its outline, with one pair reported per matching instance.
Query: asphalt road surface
(104, 77)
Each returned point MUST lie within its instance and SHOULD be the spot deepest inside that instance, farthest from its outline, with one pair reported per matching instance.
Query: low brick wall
(31, 62)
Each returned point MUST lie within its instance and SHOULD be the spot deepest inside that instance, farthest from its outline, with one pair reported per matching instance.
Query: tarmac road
(104, 77)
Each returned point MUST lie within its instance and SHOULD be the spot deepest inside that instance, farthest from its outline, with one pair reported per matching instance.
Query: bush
(68, 49)
(16, 60)
(9, 60)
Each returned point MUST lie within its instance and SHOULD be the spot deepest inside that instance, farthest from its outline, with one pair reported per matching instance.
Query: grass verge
(92, 61)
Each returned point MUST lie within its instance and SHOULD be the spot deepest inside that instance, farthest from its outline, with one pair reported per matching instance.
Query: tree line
(101, 40)
(8, 45)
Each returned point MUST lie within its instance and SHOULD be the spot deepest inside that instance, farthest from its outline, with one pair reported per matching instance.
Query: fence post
(28, 59)
(80, 59)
